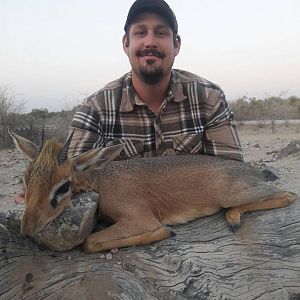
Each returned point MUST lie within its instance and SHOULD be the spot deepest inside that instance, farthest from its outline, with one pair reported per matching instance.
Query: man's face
(151, 48)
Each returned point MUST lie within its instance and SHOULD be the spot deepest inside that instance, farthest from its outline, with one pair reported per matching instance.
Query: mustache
(153, 52)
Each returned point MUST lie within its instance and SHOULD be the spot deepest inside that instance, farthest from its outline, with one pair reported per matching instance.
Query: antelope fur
(141, 196)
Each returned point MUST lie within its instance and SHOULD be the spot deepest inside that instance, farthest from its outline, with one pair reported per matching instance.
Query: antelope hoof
(234, 227)
(233, 216)
(172, 233)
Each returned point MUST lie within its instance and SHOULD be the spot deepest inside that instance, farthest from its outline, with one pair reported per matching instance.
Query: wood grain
(203, 261)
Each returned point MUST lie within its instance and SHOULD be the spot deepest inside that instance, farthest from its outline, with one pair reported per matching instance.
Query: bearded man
(155, 110)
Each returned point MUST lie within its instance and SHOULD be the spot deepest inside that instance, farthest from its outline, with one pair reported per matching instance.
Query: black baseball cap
(159, 7)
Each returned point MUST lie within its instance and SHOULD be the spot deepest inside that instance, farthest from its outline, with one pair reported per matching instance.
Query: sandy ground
(260, 147)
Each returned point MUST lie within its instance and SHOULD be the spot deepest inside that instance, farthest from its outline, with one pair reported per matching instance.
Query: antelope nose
(27, 228)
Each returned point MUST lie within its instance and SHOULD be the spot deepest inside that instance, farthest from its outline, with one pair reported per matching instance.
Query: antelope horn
(62, 156)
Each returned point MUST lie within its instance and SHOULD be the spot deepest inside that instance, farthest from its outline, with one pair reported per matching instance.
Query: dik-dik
(140, 196)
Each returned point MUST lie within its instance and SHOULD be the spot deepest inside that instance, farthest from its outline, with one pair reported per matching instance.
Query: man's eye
(139, 33)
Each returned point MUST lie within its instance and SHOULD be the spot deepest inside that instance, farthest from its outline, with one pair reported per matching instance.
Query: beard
(149, 73)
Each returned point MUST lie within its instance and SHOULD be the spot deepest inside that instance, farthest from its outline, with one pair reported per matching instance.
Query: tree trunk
(203, 261)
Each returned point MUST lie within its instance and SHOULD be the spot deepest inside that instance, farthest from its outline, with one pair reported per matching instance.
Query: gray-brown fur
(171, 183)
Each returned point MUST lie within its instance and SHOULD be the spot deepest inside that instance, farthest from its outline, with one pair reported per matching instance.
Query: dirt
(279, 151)
(12, 166)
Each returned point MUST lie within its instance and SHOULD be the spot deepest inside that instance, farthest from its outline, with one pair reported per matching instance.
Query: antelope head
(51, 178)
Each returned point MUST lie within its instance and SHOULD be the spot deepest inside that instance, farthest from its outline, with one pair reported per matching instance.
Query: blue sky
(55, 53)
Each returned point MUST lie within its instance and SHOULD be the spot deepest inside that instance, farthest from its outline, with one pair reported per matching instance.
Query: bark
(205, 260)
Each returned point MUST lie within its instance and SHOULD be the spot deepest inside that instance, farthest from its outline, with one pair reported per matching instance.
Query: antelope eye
(60, 193)
(64, 188)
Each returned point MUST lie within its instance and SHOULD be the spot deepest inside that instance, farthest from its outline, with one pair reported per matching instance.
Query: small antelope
(140, 196)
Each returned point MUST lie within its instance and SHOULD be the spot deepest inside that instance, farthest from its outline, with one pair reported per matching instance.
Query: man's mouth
(150, 53)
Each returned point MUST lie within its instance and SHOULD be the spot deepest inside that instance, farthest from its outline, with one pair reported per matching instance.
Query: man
(156, 110)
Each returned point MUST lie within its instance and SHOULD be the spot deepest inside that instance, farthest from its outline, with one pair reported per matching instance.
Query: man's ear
(177, 44)
(125, 43)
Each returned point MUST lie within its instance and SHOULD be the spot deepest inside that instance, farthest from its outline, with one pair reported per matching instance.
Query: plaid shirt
(194, 118)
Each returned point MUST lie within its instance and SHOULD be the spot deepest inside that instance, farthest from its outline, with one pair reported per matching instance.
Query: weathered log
(69, 229)
(203, 261)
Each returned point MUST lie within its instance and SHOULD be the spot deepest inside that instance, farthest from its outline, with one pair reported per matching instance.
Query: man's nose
(150, 41)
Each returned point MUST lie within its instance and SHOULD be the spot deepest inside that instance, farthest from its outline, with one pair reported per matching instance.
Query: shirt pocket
(188, 143)
(132, 148)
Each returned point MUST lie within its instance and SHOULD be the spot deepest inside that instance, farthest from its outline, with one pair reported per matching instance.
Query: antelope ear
(30, 149)
(97, 158)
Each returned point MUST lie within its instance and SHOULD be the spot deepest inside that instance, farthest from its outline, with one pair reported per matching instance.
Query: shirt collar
(130, 98)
